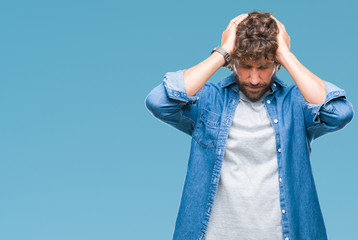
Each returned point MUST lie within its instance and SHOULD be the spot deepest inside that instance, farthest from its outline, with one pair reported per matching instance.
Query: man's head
(253, 59)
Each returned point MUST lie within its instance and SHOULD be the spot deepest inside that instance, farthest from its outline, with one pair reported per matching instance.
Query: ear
(277, 66)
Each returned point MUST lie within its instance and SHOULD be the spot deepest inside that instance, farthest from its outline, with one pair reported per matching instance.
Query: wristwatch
(224, 53)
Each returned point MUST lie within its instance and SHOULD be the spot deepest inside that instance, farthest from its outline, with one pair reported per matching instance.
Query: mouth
(254, 88)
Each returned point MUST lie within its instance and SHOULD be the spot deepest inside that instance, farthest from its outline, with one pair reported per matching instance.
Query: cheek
(243, 73)
(267, 74)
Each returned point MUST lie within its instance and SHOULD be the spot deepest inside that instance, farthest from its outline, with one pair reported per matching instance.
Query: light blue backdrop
(80, 155)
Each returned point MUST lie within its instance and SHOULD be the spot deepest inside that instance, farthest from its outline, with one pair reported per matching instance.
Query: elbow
(344, 113)
(337, 114)
(152, 102)
(158, 104)
(347, 114)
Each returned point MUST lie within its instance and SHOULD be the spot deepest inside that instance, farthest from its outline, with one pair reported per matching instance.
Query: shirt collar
(229, 80)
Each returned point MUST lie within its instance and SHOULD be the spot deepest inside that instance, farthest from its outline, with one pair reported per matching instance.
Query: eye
(245, 66)
(264, 67)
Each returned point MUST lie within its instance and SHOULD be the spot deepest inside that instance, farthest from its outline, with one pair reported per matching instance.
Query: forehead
(258, 62)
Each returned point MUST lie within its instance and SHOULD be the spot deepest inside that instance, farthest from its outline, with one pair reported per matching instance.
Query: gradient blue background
(82, 158)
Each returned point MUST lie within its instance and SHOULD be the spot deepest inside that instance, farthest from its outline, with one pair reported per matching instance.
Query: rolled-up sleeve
(175, 87)
(170, 103)
(334, 114)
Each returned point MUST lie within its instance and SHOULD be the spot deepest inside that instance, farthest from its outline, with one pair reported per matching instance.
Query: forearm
(196, 77)
(311, 87)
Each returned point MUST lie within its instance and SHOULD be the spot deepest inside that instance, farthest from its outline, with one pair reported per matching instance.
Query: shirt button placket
(278, 150)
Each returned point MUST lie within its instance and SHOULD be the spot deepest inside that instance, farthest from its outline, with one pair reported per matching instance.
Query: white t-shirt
(247, 203)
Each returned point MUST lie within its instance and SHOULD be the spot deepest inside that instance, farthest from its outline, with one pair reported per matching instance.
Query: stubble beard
(254, 96)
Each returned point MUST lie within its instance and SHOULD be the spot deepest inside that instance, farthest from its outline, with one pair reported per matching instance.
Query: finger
(240, 16)
(277, 22)
(280, 26)
(236, 21)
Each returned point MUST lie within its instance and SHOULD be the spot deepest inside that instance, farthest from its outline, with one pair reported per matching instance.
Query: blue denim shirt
(207, 117)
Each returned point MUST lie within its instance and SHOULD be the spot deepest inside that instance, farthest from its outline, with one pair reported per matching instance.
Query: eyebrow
(261, 65)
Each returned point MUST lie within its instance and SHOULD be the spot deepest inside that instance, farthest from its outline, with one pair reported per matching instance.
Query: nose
(254, 76)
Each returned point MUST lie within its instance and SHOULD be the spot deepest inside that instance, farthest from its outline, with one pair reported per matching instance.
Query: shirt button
(280, 179)
(274, 84)
(279, 150)
(275, 121)
(268, 101)
(287, 238)
(283, 211)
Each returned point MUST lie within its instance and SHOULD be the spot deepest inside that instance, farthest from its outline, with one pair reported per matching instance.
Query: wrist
(227, 49)
(219, 58)
(285, 58)
(224, 53)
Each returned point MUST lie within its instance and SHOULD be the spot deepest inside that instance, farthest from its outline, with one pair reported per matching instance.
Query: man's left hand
(283, 42)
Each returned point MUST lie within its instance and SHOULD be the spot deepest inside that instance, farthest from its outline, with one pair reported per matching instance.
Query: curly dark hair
(256, 38)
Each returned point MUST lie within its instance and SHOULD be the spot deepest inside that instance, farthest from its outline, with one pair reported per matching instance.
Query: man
(249, 174)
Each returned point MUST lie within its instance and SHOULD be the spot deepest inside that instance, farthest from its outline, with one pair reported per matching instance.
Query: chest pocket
(207, 129)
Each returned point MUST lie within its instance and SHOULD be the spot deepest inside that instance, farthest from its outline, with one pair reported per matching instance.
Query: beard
(254, 95)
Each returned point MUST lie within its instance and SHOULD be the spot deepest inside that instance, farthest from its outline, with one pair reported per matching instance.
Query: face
(255, 77)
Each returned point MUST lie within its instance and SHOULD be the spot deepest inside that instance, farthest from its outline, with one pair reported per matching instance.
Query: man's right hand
(196, 77)
(229, 35)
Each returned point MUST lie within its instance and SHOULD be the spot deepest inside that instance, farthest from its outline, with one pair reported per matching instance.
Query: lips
(254, 88)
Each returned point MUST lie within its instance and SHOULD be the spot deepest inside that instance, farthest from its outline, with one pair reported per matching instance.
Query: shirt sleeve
(334, 114)
(175, 87)
(170, 103)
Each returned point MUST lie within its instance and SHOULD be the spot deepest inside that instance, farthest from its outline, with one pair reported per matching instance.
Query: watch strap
(224, 53)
